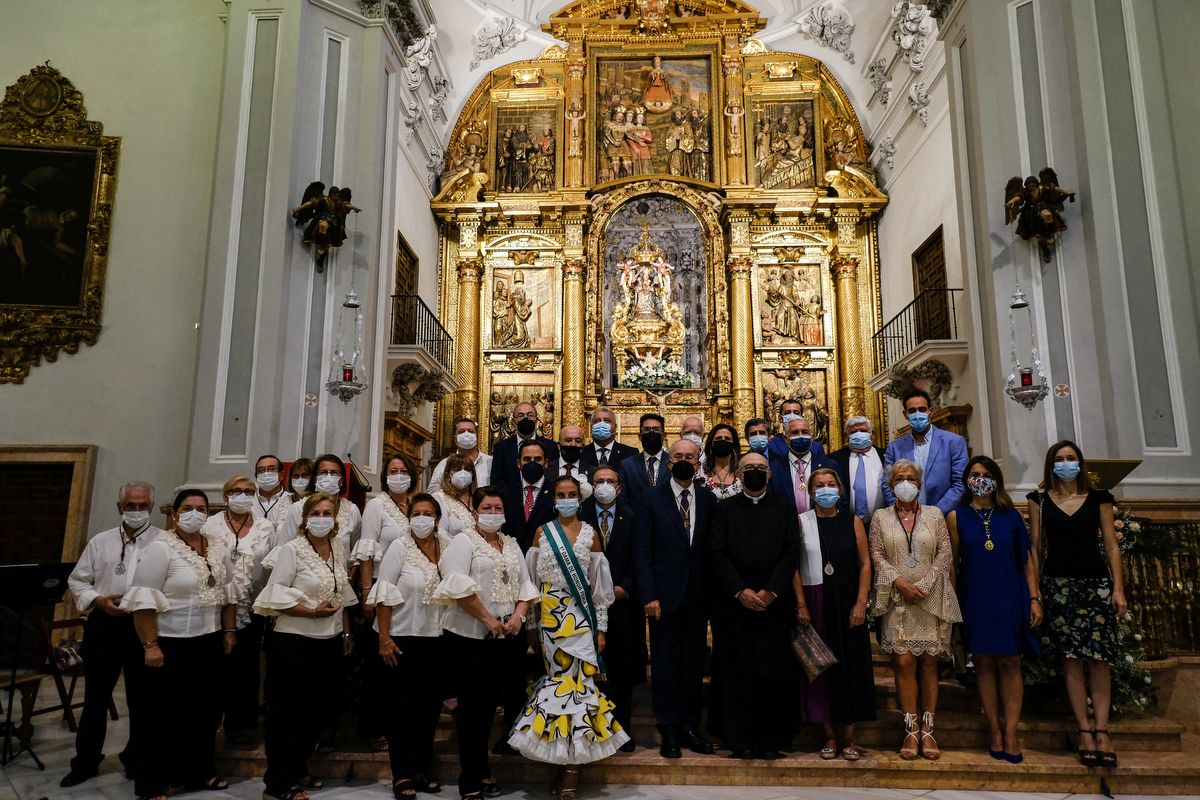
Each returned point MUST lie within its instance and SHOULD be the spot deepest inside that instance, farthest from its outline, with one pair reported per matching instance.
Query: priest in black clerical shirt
(755, 546)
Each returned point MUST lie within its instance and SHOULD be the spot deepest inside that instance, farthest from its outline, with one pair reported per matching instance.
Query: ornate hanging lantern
(346, 376)
(1026, 383)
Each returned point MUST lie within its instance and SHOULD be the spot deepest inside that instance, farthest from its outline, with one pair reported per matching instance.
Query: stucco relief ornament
(494, 36)
(433, 166)
(911, 28)
(412, 119)
(885, 150)
(437, 100)
(918, 99)
(419, 55)
(877, 74)
(831, 24)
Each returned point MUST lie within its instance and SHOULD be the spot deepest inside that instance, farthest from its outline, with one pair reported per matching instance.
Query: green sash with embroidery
(577, 585)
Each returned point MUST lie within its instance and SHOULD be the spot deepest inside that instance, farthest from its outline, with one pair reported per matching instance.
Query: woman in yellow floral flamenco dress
(567, 721)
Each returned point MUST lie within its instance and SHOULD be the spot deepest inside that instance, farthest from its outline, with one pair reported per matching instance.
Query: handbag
(812, 653)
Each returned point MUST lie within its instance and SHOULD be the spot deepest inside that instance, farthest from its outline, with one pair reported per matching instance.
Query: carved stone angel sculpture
(1036, 205)
(324, 216)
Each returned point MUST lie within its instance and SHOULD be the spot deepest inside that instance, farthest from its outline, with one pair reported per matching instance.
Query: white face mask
(135, 519)
(462, 479)
(466, 440)
(906, 491)
(490, 523)
(300, 485)
(191, 521)
(422, 526)
(240, 503)
(267, 481)
(605, 493)
(319, 526)
(328, 484)
(695, 439)
(399, 482)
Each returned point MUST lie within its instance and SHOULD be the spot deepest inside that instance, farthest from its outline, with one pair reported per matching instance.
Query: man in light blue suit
(942, 456)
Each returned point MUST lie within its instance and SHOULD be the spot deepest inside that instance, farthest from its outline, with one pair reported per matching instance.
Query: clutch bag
(812, 653)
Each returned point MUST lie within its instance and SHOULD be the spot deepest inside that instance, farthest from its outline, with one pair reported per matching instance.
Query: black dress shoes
(741, 753)
(503, 748)
(696, 743)
(77, 776)
(772, 755)
(629, 746)
(669, 746)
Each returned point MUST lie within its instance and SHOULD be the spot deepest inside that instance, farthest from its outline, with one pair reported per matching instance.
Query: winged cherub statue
(1036, 205)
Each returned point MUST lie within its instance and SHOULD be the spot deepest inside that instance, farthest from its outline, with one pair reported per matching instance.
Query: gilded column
(850, 354)
(576, 117)
(735, 118)
(741, 340)
(573, 335)
(466, 344)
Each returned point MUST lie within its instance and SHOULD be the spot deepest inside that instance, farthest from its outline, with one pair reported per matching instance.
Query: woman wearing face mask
(181, 600)
(486, 584)
(721, 461)
(997, 587)
(567, 721)
(308, 593)
(833, 582)
(385, 519)
(409, 625)
(915, 601)
(1084, 590)
(328, 473)
(248, 541)
(300, 479)
(453, 494)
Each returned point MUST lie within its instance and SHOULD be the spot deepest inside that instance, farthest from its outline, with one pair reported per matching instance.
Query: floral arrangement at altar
(657, 373)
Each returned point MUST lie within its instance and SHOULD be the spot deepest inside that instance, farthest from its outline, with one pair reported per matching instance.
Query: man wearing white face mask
(466, 440)
(98, 581)
(692, 429)
(271, 500)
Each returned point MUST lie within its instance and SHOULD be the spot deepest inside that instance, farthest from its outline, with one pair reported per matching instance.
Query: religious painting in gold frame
(809, 386)
(521, 306)
(790, 308)
(654, 116)
(526, 156)
(784, 151)
(507, 389)
(59, 179)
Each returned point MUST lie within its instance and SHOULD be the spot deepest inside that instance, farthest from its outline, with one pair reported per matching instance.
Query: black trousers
(242, 678)
(302, 686)
(624, 659)
(678, 641)
(484, 668)
(184, 710)
(413, 691)
(371, 722)
(110, 647)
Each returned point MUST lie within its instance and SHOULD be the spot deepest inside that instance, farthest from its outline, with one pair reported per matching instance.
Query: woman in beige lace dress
(914, 601)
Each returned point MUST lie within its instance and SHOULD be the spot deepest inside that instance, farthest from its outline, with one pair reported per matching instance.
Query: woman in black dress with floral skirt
(1082, 587)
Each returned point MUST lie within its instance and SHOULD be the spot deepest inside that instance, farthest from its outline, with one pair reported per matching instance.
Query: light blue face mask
(918, 421)
(827, 496)
(568, 507)
(758, 442)
(601, 430)
(1066, 470)
(860, 440)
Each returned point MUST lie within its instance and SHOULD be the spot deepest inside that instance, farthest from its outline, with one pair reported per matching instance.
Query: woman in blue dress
(997, 589)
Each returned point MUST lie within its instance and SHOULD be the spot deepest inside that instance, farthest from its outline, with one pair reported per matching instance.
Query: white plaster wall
(153, 80)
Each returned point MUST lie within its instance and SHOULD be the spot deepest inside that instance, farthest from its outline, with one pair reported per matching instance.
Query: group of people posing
(575, 549)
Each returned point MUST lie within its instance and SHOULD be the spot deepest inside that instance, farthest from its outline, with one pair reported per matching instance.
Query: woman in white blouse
(248, 540)
(308, 592)
(485, 579)
(180, 596)
(384, 520)
(454, 494)
(567, 721)
(409, 624)
(328, 479)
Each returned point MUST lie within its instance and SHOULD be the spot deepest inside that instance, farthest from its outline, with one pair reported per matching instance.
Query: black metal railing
(414, 323)
(932, 315)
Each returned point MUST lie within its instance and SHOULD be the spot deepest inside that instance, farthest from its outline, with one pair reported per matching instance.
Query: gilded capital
(731, 64)
(573, 268)
(844, 267)
(470, 270)
(739, 266)
(577, 69)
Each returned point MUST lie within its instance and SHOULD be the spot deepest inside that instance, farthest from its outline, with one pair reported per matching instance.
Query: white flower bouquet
(657, 373)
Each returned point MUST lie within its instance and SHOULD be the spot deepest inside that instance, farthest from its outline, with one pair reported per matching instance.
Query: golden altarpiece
(662, 191)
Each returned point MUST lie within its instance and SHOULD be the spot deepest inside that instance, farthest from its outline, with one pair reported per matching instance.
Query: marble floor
(21, 780)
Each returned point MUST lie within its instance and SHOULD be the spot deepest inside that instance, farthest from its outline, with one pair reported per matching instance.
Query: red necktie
(530, 491)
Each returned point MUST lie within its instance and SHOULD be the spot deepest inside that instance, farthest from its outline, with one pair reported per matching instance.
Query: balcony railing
(932, 315)
(414, 323)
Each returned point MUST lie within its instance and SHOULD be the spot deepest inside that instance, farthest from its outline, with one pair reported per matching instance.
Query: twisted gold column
(850, 355)
(572, 373)
(741, 340)
(466, 345)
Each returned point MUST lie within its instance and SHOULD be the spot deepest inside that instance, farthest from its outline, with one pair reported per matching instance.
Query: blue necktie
(860, 488)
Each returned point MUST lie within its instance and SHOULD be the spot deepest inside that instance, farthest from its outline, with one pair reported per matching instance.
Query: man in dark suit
(789, 472)
(625, 650)
(636, 470)
(673, 521)
(570, 450)
(530, 503)
(604, 446)
(504, 452)
(755, 549)
(860, 465)
(779, 445)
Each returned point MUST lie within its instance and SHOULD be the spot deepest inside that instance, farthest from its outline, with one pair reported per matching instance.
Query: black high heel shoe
(1089, 758)
(1106, 758)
